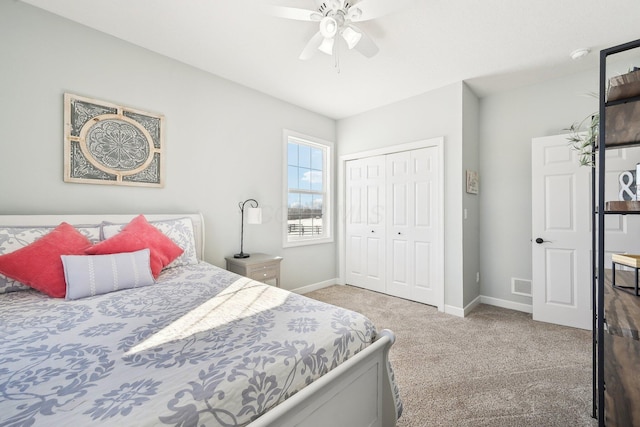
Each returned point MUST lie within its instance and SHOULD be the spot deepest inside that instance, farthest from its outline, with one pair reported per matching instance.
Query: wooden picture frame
(105, 143)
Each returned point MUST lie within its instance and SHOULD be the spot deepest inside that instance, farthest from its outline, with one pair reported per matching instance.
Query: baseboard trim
(449, 309)
(526, 308)
(455, 311)
(314, 286)
(472, 305)
(462, 312)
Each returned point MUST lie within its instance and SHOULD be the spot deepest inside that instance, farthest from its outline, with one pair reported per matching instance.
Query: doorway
(561, 229)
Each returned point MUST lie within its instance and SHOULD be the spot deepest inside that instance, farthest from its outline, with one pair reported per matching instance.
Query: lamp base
(241, 255)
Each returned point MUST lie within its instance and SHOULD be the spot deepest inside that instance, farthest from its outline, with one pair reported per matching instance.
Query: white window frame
(328, 190)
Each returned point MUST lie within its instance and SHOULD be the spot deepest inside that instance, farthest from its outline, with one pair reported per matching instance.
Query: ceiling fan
(336, 18)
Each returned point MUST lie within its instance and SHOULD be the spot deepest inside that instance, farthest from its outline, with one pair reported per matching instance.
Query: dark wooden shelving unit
(616, 343)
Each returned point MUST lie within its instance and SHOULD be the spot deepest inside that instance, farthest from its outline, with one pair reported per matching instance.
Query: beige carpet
(496, 367)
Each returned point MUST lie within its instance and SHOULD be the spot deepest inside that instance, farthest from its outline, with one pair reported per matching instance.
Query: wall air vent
(521, 287)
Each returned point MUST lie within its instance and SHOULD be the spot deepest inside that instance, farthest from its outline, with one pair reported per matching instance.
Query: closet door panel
(375, 269)
(398, 269)
(425, 179)
(400, 200)
(423, 200)
(399, 204)
(365, 223)
(423, 280)
(354, 248)
(376, 219)
(414, 223)
(355, 221)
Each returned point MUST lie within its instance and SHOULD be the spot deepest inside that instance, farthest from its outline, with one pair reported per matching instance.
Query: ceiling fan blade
(365, 10)
(292, 13)
(366, 45)
(312, 46)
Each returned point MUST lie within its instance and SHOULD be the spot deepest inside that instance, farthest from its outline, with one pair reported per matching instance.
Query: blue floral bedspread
(201, 347)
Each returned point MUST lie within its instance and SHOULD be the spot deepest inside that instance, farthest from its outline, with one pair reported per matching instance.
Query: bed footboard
(359, 392)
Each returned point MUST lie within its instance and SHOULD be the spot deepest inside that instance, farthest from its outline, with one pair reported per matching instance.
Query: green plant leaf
(583, 138)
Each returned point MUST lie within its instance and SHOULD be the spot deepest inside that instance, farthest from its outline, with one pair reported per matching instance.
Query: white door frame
(341, 224)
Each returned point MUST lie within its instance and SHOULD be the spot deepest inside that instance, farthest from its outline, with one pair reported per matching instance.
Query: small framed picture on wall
(473, 184)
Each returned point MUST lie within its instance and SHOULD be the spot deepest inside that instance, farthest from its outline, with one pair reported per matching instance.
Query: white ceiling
(493, 45)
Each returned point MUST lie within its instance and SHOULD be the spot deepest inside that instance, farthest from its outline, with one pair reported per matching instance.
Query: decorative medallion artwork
(110, 144)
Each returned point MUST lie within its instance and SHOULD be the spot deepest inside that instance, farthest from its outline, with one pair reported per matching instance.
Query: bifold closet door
(412, 225)
(365, 223)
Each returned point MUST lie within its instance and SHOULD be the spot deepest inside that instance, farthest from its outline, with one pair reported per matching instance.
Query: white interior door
(414, 260)
(561, 239)
(365, 223)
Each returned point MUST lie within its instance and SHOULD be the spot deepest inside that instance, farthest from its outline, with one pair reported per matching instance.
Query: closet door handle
(373, 231)
(399, 233)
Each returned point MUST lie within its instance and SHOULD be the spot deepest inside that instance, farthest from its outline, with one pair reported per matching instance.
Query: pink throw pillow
(39, 265)
(138, 235)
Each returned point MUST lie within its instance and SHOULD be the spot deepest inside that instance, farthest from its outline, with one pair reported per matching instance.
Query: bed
(196, 345)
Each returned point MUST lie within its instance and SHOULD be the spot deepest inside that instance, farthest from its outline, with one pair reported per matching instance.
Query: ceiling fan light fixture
(335, 19)
(354, 13)
(326, 46)
(328, 27)
(351, 36)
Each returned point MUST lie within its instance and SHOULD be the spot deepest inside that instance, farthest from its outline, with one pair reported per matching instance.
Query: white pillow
(13, 238)
(179, 230)
(89, 275)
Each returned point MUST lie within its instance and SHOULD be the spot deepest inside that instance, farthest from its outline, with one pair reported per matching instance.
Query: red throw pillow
(138, 235)
(39, 265)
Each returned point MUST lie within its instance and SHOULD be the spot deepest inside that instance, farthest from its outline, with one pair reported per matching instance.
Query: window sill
(307, 242)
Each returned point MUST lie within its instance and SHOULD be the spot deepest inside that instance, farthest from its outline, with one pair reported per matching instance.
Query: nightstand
(258, 266)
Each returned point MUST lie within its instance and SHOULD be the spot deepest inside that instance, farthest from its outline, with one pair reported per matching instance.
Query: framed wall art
(473, 184)
(106, 143)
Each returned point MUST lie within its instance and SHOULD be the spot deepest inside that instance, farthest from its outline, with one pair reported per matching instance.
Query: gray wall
(470, 202)
(508, 122)
(223, 141)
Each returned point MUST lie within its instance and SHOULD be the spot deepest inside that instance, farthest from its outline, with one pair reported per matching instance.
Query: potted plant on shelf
(583, 137)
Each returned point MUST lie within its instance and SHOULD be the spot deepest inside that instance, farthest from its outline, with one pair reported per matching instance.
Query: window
(307, 190)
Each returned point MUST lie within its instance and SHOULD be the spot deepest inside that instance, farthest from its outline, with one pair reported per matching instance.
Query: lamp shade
(254, 215)
(351, 36)
(326, 46)
(328, 27)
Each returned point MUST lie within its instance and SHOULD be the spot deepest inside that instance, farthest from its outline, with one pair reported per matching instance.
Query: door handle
(540, 241)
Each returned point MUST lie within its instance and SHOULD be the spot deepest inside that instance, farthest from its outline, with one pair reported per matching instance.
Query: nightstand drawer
(265, 273)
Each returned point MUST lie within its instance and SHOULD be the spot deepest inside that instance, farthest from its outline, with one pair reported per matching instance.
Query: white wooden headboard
(88, 219)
